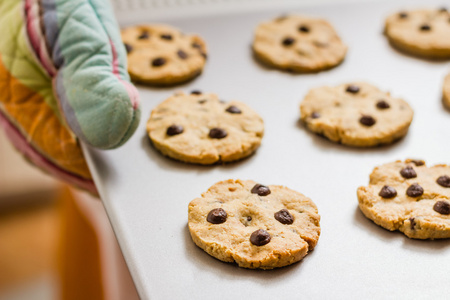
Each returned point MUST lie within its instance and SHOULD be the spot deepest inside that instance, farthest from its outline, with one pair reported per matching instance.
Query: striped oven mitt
(63, 79)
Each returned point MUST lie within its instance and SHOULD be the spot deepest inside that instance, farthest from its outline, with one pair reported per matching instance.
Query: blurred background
(29, 220)
(56, 242)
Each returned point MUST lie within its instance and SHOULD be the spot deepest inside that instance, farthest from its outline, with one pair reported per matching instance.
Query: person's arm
(63, 78)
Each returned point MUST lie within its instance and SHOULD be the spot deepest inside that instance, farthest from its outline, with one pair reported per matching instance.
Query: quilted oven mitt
(62, 78)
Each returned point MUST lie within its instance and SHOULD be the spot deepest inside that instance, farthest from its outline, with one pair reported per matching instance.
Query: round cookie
(356, 114)
(423, 32)
(162, 55)
(201, 129)
(254, 225)
(298, 44)
(410, 197)
(446, 91)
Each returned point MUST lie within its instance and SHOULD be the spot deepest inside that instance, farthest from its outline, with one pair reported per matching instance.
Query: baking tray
(146, 195)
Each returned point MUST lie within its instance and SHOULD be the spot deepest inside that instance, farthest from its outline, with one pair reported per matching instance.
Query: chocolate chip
(408, 172)
(442, 207)
(166, 37)
(233, 110)
(381, 104)
(205, 56)
(303, 28)
(196, 45)
(288, 41)
(352, 89)
(196, 92)
(202, 101)
(444, 181)
(128, 47)
(157, 62)
(402, 15)
(414, 190)
(367, 121)
(144, 35)
(315, 115)
(174, 130)
(417, 162)
(387, 192)
(181, 54)
(217, 133)
(443, 9)
(425, 27)
(283, 216)
(217, 216)
(260, 237)
(249, 219)
(260, 189)
(412, 223)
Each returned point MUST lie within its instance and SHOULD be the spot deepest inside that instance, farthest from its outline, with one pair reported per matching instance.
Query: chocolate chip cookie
(424, 32)
(162, 55)
(446, 91)
(410, 197)
(254, 225)
(298, 44)
(199, 128)
(356, 114)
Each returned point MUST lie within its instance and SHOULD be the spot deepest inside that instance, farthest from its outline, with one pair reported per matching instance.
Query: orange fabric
(40, 125)
(79, 260)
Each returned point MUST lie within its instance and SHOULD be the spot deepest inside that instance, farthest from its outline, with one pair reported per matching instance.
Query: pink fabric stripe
(35, 38)
(36, 158)
(133, 94)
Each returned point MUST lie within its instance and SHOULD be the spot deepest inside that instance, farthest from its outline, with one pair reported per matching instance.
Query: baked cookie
(446, 91)
(424, 32)
(254, 225)
(298, 44)
(356, 114)
(162, 55)
(199, 128)
(410, 197)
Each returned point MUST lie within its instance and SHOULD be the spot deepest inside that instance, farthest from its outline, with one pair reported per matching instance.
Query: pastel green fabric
(92, 84)
(63, 78)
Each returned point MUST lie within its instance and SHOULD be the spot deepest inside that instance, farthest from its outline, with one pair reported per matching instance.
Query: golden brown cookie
(446, 91)
(424, 32)
(410, 197)
(253, 225)
(356, 114)
(199, 128)
(298, 44)
(162, 55)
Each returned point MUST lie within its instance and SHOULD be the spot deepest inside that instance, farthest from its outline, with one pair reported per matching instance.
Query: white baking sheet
(146, 195)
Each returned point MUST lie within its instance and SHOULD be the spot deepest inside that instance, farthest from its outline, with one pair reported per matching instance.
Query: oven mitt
(63, 78)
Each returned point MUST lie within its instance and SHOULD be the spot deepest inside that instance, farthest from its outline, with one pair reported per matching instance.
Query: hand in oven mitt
(63, 78)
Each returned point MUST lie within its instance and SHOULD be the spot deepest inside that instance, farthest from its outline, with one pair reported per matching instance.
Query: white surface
(133, 11)
(147, 195)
